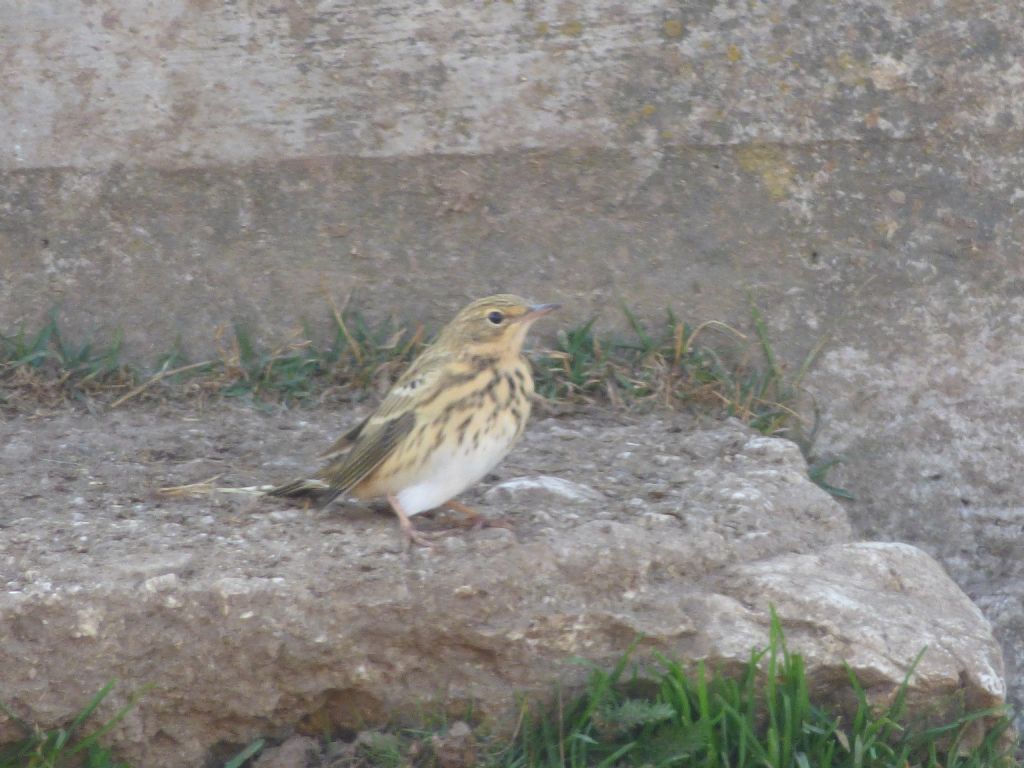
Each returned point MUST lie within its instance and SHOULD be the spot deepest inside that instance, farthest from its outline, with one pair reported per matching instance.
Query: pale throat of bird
(504, 352)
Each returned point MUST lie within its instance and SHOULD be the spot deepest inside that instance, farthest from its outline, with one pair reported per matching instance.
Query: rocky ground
(251, 615)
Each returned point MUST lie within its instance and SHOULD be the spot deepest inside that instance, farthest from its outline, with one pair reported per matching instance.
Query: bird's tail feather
(306, 488)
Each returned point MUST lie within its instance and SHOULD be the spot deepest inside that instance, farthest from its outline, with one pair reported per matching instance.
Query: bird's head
(493, 325)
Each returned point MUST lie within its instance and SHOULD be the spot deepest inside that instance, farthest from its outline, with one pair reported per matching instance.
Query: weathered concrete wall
(189, 84)
(202, 162)
(168, 168)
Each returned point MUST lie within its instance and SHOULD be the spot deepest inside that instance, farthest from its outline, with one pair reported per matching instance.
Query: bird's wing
(373, 439)
(374, 444)
(343, 443)
(402, 396)
(359, 451)
(415, 386)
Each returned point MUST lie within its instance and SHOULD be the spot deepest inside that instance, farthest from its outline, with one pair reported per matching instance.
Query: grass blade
(250, 751)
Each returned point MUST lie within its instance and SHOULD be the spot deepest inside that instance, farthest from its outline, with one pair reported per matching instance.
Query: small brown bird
(451, 417)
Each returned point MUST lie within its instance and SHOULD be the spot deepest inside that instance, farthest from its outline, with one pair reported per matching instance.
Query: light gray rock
(252, 622)
(930, 441)
(878, 596)
(294, 752)
(542, 486)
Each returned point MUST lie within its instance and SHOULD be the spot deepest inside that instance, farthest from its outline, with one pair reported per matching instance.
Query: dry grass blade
(157, 378)
(707, 324)
(247, 490)
(202, 488)
(357, 352)
(208, 487)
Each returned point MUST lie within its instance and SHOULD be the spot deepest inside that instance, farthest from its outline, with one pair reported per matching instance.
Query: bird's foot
(474, 521)
(409, 533)
(412, 536)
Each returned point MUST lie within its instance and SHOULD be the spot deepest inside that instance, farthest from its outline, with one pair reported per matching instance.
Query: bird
(446, 422)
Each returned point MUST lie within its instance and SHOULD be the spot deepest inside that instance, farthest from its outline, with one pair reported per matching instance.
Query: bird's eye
(495, 317)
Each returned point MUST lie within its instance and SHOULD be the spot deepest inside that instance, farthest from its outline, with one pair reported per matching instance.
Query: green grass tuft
(666, 364)
(42, 364)
(762, 718)
(70, 745)
(670, 366)
(663, 364)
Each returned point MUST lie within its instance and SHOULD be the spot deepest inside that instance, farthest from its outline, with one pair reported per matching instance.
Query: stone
(874, 593)
(455, 748)
(259, 622)
(294, 752)
(552, 489)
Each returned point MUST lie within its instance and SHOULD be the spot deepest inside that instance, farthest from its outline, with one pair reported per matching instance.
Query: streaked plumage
(453, 415)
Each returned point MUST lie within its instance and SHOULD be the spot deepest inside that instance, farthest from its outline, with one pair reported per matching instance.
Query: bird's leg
(474, 520)
(473, 517)
(408, 530)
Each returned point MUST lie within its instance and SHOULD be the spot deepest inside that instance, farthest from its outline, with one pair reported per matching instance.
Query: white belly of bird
(450, 471)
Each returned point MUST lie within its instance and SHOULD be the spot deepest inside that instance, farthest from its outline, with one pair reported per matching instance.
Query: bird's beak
(538, 311)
